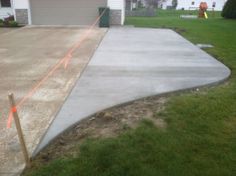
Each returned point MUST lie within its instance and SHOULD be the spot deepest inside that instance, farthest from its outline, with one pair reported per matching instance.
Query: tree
(229, 10)
(174, 3)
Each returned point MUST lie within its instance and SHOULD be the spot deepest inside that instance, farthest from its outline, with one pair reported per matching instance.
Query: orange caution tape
(13, 110)
(65, 60)
(10, 117)
(76, 46)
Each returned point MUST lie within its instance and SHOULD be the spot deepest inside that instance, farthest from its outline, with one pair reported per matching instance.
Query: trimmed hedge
(229, 10)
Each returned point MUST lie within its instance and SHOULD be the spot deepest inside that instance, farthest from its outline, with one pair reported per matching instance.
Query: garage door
(65, 12)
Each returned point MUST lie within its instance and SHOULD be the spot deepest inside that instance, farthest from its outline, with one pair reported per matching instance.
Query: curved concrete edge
(118, 86)
(40, 147)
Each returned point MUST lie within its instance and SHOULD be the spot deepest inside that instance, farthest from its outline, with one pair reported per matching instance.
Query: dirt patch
(179, 30)
(108, 123)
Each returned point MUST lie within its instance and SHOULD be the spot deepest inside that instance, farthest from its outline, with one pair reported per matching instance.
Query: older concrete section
(26, 56)
(132, 63)
(7, 30)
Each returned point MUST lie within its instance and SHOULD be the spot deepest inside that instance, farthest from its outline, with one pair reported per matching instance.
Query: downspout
(13, 8)
(29, 13)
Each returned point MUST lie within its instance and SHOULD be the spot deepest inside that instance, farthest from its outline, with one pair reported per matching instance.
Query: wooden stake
(19, 130)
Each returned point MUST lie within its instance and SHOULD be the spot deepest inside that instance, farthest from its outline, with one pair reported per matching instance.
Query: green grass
(176, 13)
(200, 138)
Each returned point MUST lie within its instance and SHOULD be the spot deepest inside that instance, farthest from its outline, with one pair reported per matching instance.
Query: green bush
(8, 23)
(13, 23)
(229, 10)
(174, 3)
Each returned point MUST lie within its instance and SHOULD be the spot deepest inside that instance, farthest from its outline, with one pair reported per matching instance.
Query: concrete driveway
(7, 30)
(132, 63)
(26, 56)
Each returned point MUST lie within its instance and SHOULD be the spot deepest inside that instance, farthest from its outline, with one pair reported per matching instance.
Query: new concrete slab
(132, 63)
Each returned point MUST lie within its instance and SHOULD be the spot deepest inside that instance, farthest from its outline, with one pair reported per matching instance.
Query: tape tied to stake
(66, 60)
(13, 109)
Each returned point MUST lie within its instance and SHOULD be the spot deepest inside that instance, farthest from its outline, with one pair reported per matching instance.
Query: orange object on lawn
(202, 9)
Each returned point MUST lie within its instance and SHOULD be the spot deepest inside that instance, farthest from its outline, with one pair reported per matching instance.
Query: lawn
(200, 136)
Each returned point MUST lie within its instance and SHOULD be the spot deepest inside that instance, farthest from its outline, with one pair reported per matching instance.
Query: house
(131, 4)
(166, 4)
(217, 5)
(61, 12)
(5, 8)
(144, 3)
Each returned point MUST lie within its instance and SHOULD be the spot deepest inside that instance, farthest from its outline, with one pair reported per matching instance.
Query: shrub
(13, 23)
(10, 18)
(7, 20)
(229, 10)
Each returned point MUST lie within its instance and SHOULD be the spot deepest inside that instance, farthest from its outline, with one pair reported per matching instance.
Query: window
(214, 4)
(193, 2)
(5, 3)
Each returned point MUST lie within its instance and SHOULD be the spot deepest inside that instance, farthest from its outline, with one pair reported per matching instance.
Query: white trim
(118, 5)
(22, 4)
(29, 13)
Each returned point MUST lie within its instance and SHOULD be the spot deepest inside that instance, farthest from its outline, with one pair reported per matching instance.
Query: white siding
(118, 5)
(144, 2)
(5, 11)
(166, 3)
(23, 4)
